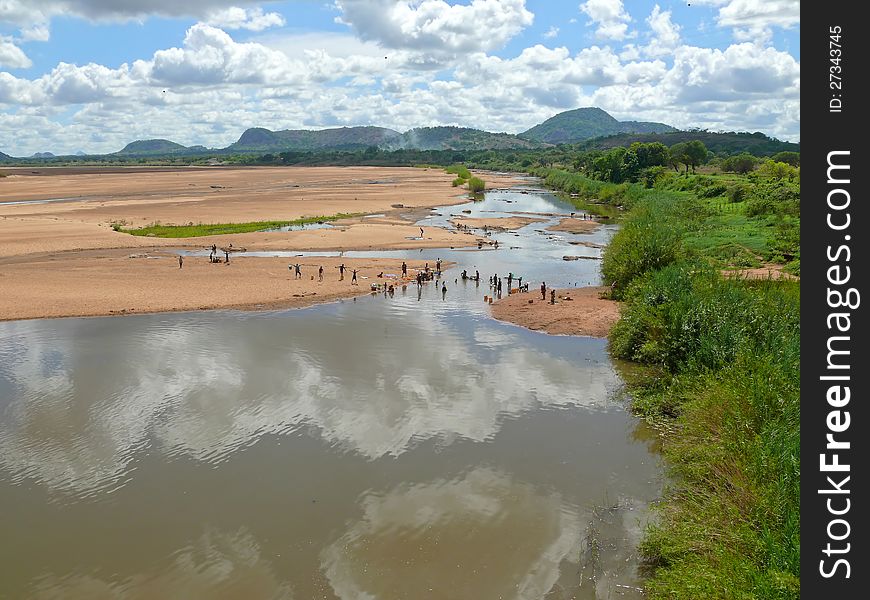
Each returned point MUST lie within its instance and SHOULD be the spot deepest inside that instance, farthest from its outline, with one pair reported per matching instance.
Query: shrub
(476, 185)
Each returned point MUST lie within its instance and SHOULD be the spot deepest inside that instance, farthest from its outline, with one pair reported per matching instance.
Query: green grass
(726, 358)
(203, 229)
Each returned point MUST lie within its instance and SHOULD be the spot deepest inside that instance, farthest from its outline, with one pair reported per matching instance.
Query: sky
(93, 75)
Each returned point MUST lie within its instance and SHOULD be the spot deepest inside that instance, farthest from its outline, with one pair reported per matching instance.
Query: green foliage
(789, 158)
(476, 185)
(777, 170)
(728, 351)
(739, 163)
(460, 170)
(650, 238)
(458, 181)
(731, 349)
(202, 229)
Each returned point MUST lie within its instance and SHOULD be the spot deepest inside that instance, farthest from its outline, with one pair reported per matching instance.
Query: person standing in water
(320, 273)
(552, 296)
(353, 278)
(421, 233)
(227, 254)
(341, 272)
(443, 291)
(404, 269)
(510, 281)
(543, 291)
(438, 265)
(498, 287)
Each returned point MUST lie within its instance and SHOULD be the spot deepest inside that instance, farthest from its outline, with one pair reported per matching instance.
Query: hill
(4, 157)
(151, 148)
(258, 139)
(581, 124)
(42, 155)
(459, 138)
(730, 142)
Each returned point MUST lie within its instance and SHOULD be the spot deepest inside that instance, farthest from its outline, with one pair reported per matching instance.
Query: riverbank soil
(60, 254)
(578, 311)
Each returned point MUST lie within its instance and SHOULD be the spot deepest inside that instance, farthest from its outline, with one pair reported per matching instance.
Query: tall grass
(728, 351)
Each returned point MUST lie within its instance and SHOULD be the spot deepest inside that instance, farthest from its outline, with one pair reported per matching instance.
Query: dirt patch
(586, 313)
(572, 225)
(770, 271)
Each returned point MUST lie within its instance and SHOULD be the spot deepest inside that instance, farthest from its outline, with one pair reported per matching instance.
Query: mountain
(459, 138)
(42, 155)
(756, 143)
(4, 157)
(258, 139)
(81, 153)
(581, 124)
(152, 147)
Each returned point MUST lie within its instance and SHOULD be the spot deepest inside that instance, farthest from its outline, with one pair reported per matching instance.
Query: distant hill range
(578, 125)
(153, 148)
(258, 139)
(42, 155)
(587, 128)
(756, 143)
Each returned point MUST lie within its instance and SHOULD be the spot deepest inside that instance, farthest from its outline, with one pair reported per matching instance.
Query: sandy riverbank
(62, 258)
(585, 314)
(572, 225)
(111, 283)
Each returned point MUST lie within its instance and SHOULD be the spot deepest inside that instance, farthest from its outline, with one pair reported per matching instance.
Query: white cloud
(552, 32)
(253, 19)
(665, 33)
(609, 16)
(11, 56)
(753, 20)
(435, 25)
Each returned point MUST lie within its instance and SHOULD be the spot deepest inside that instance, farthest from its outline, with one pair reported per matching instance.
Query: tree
(677, 156)
(789, 158)
(696, 153)
(739, 163)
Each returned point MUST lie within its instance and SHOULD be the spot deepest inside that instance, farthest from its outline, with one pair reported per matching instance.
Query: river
(384, 447)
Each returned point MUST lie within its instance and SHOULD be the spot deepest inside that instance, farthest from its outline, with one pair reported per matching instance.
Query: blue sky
(94, 74)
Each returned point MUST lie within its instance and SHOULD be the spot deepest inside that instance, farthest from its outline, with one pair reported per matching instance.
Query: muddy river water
(387, 448)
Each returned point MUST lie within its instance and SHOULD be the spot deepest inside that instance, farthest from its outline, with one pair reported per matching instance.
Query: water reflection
(206, 386)
(480, 536)
(217, 566)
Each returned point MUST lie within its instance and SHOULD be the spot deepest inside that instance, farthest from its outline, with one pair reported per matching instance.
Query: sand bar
(585, 314)
(496, 223)
(572, 225)
(112, 283)
(64, 259)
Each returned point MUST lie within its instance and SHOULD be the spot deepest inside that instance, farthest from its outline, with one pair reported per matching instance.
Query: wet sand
(49, 267)
(585, 314)
(495, 223)
(115, 282)
(571, 225)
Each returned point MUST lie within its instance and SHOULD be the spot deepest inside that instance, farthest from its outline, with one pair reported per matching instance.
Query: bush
(476, 185)
(458, 181)
(650, 239)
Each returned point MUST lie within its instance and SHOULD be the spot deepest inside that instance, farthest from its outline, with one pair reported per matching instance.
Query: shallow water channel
(405, 447)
